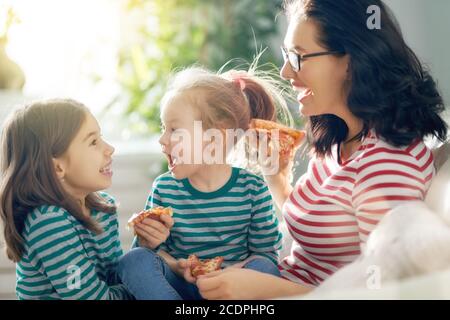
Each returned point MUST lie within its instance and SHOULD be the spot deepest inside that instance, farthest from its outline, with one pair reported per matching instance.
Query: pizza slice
(194, 260)
(152, 213)
(199, 267)
(288, 138)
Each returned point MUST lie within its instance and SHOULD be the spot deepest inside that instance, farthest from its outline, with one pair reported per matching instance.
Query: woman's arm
(280, 183)
(238, 284)
(387, 183)
(278, 179)
(279, 187)
(264, 238)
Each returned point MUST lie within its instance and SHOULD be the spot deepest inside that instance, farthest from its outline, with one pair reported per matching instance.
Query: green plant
(173, 34)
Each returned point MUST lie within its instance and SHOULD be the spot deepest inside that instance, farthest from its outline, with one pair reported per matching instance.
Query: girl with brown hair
(61, 232)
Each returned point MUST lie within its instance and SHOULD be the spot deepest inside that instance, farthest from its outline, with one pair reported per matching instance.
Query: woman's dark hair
(388, 87)
(32, 136)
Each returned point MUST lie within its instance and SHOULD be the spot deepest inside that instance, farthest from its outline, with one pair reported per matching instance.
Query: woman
(369, 104)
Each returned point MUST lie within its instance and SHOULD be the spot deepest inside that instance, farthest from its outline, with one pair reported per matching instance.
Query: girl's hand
(183, 269)
(231, 283)
(151, 233)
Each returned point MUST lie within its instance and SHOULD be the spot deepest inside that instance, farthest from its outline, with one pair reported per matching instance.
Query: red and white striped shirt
(333, 208)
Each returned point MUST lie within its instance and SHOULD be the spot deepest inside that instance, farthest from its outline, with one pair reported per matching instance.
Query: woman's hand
(151, 233)
(245, 284)
(267, 154)
(231, 283)
(276, 173)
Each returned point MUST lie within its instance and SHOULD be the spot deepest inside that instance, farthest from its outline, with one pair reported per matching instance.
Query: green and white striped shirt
(236, 222)
(64, 260)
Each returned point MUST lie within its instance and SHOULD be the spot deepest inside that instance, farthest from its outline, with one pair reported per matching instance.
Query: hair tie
(240, 82)
(237, 77)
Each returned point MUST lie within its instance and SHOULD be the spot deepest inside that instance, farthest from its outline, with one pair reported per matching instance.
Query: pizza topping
(153, 213)
(199, 267)
(288, 138)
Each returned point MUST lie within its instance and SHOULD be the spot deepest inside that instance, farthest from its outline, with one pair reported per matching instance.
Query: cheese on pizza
(199, 267)
(153, 213)
(288, 138)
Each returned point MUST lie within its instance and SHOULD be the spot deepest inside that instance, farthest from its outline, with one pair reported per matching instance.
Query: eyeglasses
(295, 59)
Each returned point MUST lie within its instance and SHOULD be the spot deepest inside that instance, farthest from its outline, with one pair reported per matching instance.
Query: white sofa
(407, 256)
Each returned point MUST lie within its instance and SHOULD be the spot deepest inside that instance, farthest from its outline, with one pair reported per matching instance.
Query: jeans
(148, 277)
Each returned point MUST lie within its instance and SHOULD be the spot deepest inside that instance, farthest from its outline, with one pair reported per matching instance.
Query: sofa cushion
(441, 154)
(438, 196)
(429, 286)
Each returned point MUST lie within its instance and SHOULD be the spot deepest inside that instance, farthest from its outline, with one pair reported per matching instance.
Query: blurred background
(115, 56)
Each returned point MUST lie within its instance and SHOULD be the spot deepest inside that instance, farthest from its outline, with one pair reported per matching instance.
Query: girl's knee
(137, 258)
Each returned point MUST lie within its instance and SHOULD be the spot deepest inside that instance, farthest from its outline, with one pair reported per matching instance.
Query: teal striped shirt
(236, 222)
(64, 260)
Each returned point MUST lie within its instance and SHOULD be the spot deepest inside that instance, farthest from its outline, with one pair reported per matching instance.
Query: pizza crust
(288, 138)
(199, 267)
(153, 213)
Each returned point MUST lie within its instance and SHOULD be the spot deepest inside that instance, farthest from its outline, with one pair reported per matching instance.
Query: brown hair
(31, 137)
(231, 99)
